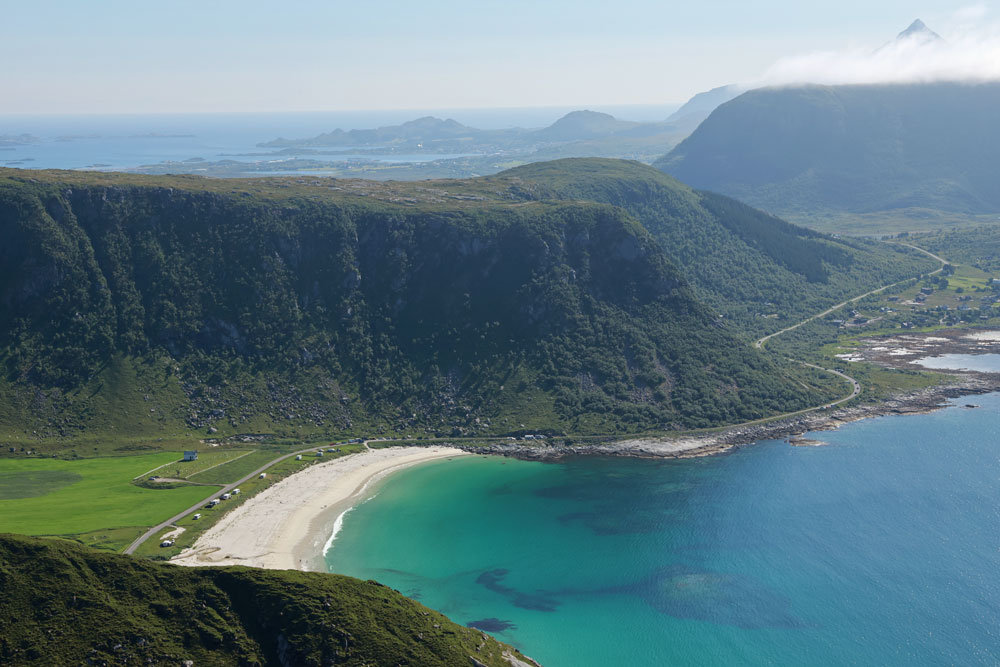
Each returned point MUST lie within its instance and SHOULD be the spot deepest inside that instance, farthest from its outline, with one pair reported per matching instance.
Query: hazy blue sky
(222, 55)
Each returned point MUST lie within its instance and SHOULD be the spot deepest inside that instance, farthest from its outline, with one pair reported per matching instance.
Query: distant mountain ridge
(699, 107)
(448, 135)
(861, 148)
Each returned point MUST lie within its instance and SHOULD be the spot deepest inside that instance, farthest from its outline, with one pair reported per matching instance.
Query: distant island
(446, 148)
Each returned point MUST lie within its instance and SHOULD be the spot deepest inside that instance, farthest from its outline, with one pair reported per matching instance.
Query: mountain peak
(583, 124)
(918, 29)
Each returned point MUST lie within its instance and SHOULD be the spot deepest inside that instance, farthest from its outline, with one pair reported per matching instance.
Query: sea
(881, 547)
(121, 142)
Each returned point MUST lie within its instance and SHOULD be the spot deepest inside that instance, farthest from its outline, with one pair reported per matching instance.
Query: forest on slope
(762, 273)
(147, 306)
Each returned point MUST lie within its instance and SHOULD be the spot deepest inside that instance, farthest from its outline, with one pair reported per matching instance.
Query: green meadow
(56, 497)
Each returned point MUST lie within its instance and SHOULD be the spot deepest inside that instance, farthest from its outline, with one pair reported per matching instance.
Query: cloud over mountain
(968, 51)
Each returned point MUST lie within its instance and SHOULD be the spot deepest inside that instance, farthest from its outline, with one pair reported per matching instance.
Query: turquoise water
(882, 548)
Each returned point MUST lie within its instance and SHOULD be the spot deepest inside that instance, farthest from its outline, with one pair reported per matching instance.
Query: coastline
(693, 446)
(285, 526)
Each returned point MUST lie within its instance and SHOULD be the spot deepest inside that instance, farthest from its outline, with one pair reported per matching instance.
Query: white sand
(286, 526)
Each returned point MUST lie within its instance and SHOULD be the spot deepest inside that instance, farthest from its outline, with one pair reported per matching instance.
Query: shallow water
(881, 548)
(984, 363)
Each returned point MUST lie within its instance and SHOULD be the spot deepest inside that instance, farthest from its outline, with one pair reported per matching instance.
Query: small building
(191, 455)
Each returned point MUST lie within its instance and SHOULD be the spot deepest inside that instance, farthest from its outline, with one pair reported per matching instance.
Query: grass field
(205, 461)
(238, 467)
(55, 497)
(209, 515)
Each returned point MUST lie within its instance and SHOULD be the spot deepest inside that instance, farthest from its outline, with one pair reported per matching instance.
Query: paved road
(855, 385)
(226, 489)
(760, 341)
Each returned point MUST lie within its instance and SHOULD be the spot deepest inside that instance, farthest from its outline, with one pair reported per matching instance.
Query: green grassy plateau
(64, 604)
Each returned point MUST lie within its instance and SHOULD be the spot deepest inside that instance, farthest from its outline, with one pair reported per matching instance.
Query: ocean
(880, 548)
(118, 142)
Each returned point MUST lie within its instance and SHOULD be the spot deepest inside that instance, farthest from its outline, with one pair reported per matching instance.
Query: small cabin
(191, 455)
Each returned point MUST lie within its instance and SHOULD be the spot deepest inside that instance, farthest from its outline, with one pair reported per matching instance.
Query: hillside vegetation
(64, 604)
(857, 149)
(761, 272)
(148, 306)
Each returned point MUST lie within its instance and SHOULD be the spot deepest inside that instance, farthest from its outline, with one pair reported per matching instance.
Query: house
(191, 455)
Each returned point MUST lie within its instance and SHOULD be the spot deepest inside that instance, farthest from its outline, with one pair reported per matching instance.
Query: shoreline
(286, 526)
(694, 446)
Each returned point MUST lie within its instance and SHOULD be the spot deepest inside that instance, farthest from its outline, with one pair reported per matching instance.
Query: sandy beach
(287, 525)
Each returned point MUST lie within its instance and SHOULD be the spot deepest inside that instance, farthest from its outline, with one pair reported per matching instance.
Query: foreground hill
(743, 262)
(145, 306)
(63, 604)
(858, 149)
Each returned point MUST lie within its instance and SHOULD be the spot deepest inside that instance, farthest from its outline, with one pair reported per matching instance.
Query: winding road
(855, 385)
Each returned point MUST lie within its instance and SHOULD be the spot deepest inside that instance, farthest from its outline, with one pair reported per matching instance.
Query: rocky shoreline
(918, 402)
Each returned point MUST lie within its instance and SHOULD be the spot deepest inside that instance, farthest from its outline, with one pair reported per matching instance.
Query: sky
(112, 56)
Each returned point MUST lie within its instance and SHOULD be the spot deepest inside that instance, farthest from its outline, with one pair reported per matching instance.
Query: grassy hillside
(761, 272)
(64, 604)
(154, 306)
(856, 149)
(978, 247)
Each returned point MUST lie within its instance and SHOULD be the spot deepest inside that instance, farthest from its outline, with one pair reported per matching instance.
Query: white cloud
(970, 51)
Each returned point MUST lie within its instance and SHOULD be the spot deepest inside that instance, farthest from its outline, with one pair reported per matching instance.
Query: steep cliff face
(335, 311)
(741, 261)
